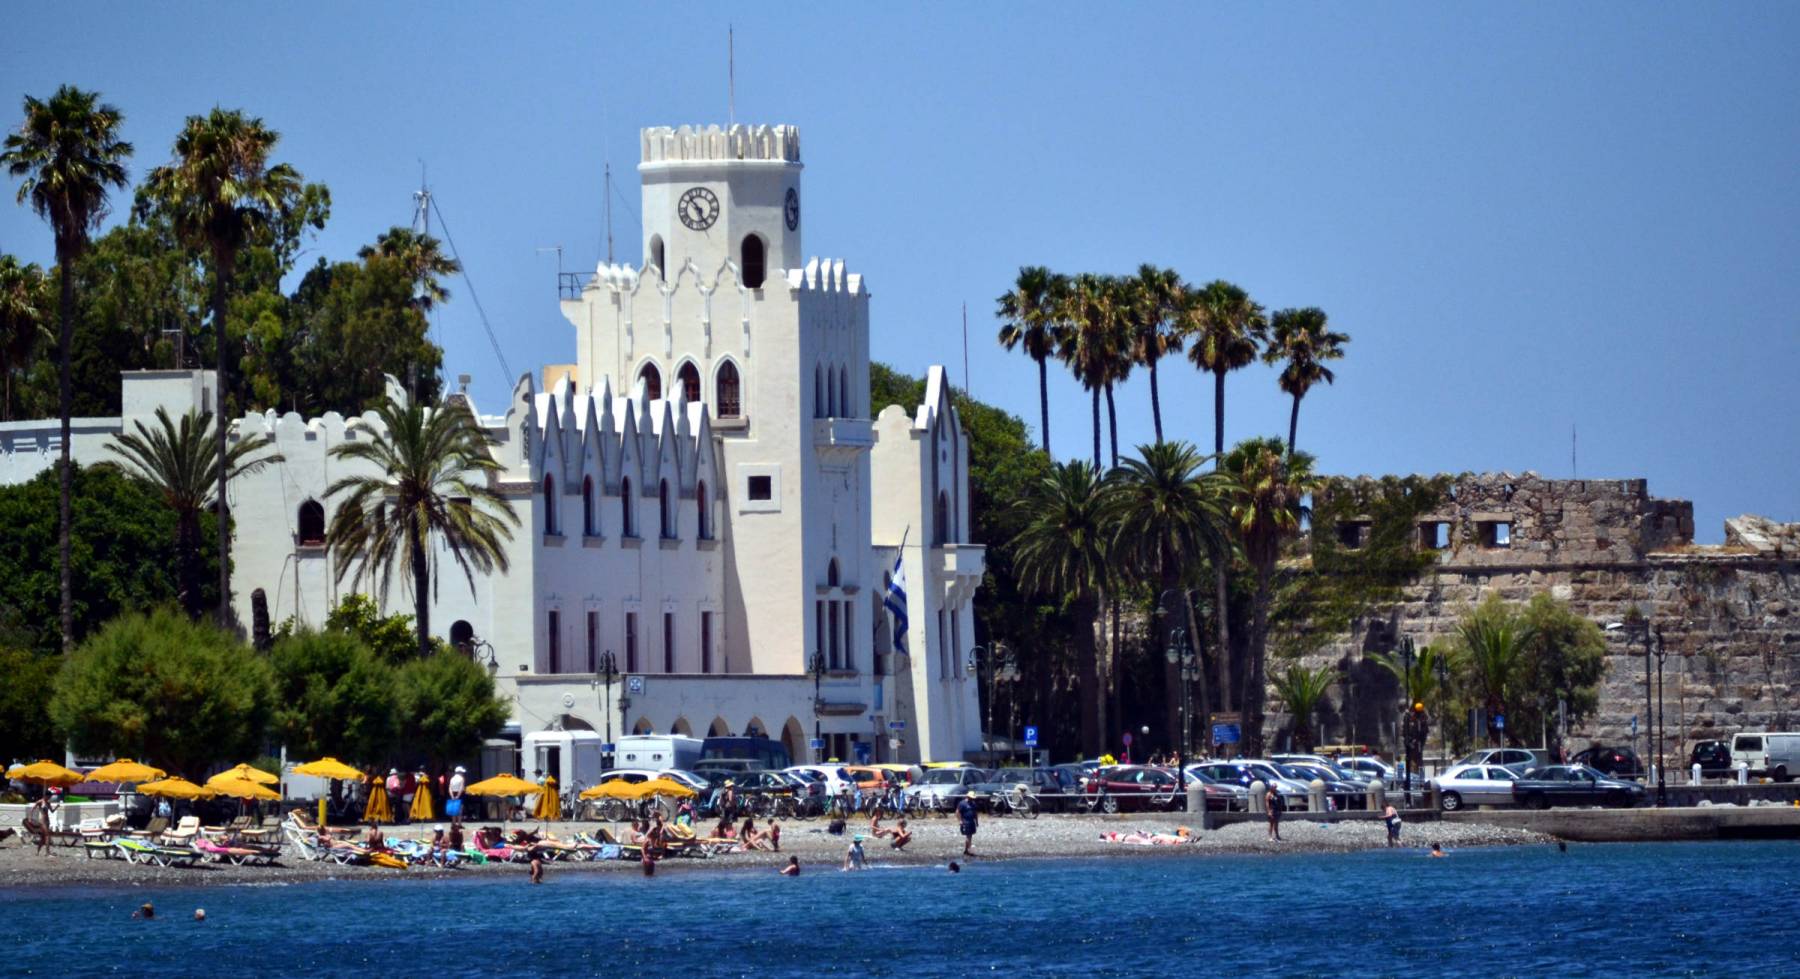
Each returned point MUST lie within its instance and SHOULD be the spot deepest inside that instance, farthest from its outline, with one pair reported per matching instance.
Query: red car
(1125, 787)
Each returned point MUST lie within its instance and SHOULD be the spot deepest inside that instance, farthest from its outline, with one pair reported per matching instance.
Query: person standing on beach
(454, 807)
(1272, 802)
(1392, 819)
(969, 819)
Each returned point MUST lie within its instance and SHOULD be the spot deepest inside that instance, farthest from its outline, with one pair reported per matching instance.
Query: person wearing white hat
(453, 805)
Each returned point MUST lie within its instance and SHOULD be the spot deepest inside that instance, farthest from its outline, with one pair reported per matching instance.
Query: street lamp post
(1000, 665)
(1187, 667)
(1407, 723)
(1662, 722)
(818, 675)
(609, 669)
(1443, 678)
(1637, 624)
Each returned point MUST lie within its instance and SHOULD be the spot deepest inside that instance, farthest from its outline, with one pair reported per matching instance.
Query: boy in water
(853, 858)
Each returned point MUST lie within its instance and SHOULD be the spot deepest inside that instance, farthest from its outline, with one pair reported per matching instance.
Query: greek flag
(895, 599)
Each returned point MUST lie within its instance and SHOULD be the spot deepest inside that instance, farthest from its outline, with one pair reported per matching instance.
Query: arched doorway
(643, 726)
(718, 729)
(793, 738)
(682, 727)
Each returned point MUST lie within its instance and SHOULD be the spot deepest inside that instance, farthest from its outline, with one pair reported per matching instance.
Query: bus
(758, 752)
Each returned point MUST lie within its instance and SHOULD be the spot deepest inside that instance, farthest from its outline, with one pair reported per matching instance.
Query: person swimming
(792, 869)
(1437, 850)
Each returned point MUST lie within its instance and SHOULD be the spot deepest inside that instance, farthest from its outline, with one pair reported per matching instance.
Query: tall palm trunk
(1222, 615)
(1255, 673)
(1172, 687)
(1155, 402)
(1118, 709)
(1112, 424)
(223, 259)
(1205, 711)
(1096, 394)
(1086, 610)
(65, 398)
(1293, 424)
(1044, 400)
(421, 572)
(1219, 414)
(187, 561)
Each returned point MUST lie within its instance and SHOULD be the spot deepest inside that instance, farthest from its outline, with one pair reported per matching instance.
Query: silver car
(1475, 785)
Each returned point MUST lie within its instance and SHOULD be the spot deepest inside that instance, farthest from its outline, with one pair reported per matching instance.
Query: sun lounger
(137, 851)
(240, 855)
(183, 833)
(103, 850)
(151, 830)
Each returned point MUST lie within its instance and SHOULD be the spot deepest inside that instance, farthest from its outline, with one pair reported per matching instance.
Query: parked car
(1763, 753)
(836, 778)
(1574, 785)
(1713, 757)
(1124, 787)
(1342, 792)
(1475, 785)
(1337, 771)
(1220, 796)
(1239, 772)
(1369, 765)
(1620, 762)
(1517, 759)
(944, 788)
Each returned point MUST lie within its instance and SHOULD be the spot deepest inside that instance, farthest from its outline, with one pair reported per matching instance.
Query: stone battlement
(693, 144)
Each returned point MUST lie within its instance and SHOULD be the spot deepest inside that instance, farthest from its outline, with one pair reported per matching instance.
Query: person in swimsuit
(901, 835)
(1392, 819)
(792, 869)
(374, 840)
(774, 836)
(853, 857)
(1437, 849)
(1272, 802)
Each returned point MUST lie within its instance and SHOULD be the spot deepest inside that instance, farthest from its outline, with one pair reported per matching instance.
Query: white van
(658, 751)
(1776, 755)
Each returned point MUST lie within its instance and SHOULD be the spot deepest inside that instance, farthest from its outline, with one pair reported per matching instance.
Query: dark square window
(762, 487)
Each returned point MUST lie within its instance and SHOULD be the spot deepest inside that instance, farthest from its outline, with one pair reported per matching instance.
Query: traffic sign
(896, 725)
(1030, 735)
(816, 744)
(1499, 722)
(634, 685)
(1227, 734)
(1634, 725)
(1127, 739)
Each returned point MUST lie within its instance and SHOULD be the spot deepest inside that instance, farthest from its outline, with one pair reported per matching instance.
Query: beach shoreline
(935, 843)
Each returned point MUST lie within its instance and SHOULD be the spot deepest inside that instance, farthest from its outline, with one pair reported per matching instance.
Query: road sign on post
(1226, 734)
(816, 744)
(1031, 740)
(1499, 722)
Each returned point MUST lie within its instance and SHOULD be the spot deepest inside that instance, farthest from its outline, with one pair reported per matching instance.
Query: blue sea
(1603, 910)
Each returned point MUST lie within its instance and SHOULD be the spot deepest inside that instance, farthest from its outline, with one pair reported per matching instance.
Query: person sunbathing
(374, 841)
(752, 840)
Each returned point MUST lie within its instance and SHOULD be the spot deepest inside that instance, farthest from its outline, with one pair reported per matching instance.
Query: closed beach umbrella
(378, 810)
(48, 773)
(421, 806)
(176, 788)
(126, 770)
(503, 785)
(228, 783)
(328, 768)
(249, 774)
(549, 804)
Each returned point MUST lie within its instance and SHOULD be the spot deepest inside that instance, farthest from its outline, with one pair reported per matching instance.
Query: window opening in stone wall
(553, 642)
(831, 574)
(754, 262)
(668, 642)
(549, 504)
(831, 393)
(656, 256)
(312, 523)
(689, 377)
(836, 660)
(627, 505)
(818, 391)
(462, 636)
(845, 409)
(666, 503)
(593, 641)
(704, 515)
(706, 642)
(943, 644)
(590, 518)
(940, 520)
(631, 642)
(849, 636)
(761, 488)
(1495, 533)
(1434, 535)
(652, 379)
(730, 399)
(1353, 533)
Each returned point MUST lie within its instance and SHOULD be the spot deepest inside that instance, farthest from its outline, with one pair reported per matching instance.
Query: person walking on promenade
(1392, 819)
(1272, 802)
(970, 820)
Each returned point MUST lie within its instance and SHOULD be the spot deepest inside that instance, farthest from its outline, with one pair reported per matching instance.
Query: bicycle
(1020, 802)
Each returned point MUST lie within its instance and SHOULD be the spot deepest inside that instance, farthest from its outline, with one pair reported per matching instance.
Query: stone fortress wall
(1729, 613)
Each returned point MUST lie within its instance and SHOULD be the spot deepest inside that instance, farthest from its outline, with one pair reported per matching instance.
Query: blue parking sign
(1031, 736)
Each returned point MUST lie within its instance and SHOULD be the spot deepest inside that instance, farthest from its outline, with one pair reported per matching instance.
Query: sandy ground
(935, 841)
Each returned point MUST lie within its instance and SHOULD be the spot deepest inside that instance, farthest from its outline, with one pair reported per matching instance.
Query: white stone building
(702, 493)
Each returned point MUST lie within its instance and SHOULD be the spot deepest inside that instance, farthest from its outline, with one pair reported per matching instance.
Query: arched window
(848, 410)
(704, 515)
(656, 255)
(627, 526)
(831, 394)
(312, 523)
(590, 517)
(941, 519)
(667, 505)
(462, 636)
(831, 574)
(818, 391)
(729, 402)
(652, 379)
(549, 504)
(689, 377)
(752, 261)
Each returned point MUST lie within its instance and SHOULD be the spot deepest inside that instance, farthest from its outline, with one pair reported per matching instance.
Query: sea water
(1649, 909)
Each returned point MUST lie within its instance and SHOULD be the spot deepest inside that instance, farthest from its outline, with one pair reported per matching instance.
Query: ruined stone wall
(1730, 614)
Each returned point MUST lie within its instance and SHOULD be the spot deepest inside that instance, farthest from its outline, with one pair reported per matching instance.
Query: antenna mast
(421, 220)
(967, 383)
(731, 74)
(609, 250)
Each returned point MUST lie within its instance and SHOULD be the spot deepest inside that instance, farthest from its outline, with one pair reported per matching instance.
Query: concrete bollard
(1377, 796)
(1743, 773)
(1315, 796)
(1196, 798)
(1694, 777)
(1257, 788)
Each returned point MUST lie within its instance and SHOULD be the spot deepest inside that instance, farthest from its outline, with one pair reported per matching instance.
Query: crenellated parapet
(664, 144)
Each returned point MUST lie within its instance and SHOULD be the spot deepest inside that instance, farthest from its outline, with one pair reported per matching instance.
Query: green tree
(389, 637)
(121, 551)
(178, 463)
(158, 687)
(219, 189)
(1268, 511)
(334, 697)
(1167, 515)
(1063, 550)
(69, 153)
(1028, 318)
(1301, 342)
(349, 326)
(421, 258)
(1155, 298)
(447, 708)
(1225, 328)
(419, 466)
(1490, 658)
(1419, 687)
(25, 729)
(1090, 344)
(1301, 689)
(1563, 658)
(24, 311)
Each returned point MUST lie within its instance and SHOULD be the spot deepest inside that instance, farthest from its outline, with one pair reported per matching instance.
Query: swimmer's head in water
(199, 914)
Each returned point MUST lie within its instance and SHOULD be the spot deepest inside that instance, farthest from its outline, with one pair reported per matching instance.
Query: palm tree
(219, 188)
(1088, 344)
(1063, 550)
(423, 258)
(1227, 328)
(69, 153)
(1301, 690)
(426, 474)
(1490, 655)
(1113, 314)
(24, 308)
(179, 463)
(1157, 298)
(1416, 677)
(1167, 514)
(1268, 510)
(1300, 337)
(1028, 317)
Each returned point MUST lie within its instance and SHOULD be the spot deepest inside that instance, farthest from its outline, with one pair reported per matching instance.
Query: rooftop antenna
(609, 250)
(731, 74)
(421, 219)
(1574, 471)
(966, 381)
(559, 272)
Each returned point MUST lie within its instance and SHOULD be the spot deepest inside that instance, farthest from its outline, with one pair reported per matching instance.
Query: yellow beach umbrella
(126, 770)
(618, 788)
(503, 785)
(227, 783)
(664, 786)
(421, 805)
(378, 810)
(176, 788)
(329, 768)
(549, 804)
(47, 773)
(249, 773)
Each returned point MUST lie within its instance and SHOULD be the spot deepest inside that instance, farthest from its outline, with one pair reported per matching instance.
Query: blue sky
(1530, 217)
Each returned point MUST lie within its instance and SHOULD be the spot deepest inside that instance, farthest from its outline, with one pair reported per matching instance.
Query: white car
(636, 775)
(837, 781)
(1517, 759)
(1475, 785)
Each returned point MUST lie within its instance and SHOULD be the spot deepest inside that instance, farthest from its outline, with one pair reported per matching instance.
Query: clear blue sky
(1530, 217)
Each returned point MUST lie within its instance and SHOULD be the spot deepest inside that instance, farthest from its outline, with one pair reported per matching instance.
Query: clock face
(793, 209)
(698, 208)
